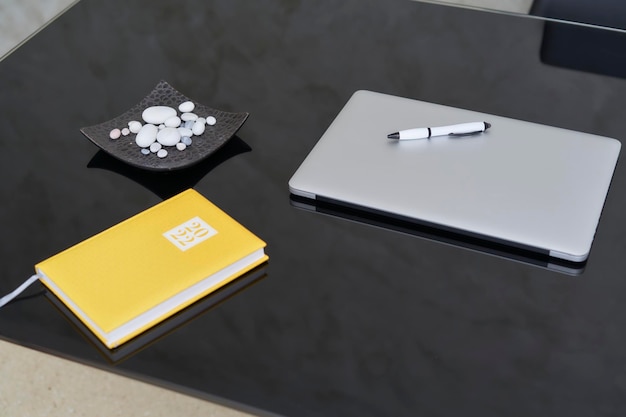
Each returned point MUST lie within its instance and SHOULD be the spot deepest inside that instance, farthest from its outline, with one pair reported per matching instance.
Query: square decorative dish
(165, 145)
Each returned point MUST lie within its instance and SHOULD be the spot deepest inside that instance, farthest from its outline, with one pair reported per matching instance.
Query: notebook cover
(140, 263)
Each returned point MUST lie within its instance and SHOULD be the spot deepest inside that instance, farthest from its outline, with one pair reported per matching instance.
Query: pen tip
(487, 125)
(395, 135)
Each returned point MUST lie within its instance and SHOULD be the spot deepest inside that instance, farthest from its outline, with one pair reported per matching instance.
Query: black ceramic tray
(126, 150)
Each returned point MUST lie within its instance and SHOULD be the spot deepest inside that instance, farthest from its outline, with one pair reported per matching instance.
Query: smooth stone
(157, 114)
(189, 124)
(188, 116)
(211, 120)
(172, 122)
(186, 107)
(125, 131)
(155, 147)
(162, 153)
(181, 146)
(146, 135)
(168, 136)
(184, 131)
(134, 126)
(186, 140)
(198, 128)
(115, 134)
(145, 151)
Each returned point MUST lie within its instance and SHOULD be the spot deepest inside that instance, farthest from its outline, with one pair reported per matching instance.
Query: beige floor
(511, 6)
(19, 19)
(37, 384)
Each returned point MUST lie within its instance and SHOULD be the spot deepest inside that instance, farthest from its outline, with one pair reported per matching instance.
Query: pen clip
(465, 134)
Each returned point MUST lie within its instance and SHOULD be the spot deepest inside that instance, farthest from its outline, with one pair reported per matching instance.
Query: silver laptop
(530, 186)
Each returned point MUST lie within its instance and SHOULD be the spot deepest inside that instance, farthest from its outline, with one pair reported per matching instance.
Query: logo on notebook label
(190, 233)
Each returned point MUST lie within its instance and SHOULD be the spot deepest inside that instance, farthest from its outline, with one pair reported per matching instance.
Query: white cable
(4, 300)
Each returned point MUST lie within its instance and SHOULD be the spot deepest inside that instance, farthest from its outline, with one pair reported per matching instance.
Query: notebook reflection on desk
(170, 325)
(448, 237)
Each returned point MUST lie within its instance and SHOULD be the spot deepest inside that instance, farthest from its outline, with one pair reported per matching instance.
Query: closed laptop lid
(528, 185)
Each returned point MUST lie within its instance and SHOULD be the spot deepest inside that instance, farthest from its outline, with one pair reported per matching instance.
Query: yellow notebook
(137, 273)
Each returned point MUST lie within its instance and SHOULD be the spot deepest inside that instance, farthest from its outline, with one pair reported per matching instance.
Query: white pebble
(211, 120)
(184, 131)
(115, 134)
(198, 128)
(188, 116)
(157, 114)
(189, 124)
(181, 146)
(134, 126)
(125, 131)
(155, 147)
(168, 136)
(146, 135)
(145, 151)
(162, 153)
(186, 107)
(173, 122)
(161, 126)
(186, 140)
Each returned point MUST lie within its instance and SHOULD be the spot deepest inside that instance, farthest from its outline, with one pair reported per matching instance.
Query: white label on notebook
(189, 234)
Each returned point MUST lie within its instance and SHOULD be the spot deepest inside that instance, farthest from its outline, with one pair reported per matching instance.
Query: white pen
(461, 129)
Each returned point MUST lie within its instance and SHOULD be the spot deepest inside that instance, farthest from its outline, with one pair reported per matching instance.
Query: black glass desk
(348, 318)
